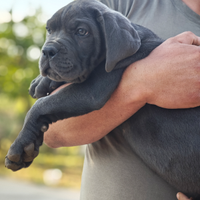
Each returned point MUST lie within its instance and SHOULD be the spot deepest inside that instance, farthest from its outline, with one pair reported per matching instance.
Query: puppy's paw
(39, 87)
(15, 160)
(42, 86)
(21, 156)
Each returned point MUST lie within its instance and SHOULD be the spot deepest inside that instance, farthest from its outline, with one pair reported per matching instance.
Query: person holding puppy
(168, 77)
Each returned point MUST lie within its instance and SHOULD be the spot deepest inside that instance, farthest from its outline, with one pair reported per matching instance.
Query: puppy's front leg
(42, 86)
(74, 100)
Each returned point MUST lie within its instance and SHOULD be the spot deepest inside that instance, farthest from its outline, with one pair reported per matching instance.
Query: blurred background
(22, 34)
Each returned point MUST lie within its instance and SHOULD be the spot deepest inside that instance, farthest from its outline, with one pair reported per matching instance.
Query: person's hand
(170, 76)
(181, 196)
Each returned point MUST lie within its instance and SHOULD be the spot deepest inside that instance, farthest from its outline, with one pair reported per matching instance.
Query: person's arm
(169, 77)
(93, 126)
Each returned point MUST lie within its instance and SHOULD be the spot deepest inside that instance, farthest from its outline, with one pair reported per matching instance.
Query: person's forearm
(168, 77)
(95, 125)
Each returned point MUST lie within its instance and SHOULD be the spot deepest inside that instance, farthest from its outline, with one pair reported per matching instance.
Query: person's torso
(112, 171)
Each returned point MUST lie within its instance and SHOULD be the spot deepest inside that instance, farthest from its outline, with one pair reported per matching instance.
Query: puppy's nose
(49, 52)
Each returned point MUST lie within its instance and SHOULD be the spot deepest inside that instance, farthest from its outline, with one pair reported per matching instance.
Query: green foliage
(17, 68)
(20, 45)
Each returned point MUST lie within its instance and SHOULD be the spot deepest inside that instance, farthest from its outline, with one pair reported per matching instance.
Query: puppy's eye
(48, 30)
(82, 32)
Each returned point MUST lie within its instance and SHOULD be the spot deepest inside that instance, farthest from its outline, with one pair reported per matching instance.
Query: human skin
(181, 196)
(194, 5)
(169, 77)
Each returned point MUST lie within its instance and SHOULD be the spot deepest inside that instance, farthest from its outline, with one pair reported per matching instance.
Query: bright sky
(25, 7)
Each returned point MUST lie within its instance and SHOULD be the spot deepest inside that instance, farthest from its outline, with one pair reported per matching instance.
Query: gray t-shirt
(112, 171)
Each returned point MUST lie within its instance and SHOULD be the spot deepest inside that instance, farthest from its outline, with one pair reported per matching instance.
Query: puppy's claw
(44, 128)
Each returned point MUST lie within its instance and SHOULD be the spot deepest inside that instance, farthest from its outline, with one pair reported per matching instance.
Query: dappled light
(5, 17)
(33, 53)
(20, 30)
(21, 40)
(52, 176)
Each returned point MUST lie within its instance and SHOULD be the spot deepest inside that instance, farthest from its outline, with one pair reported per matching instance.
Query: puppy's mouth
(52, 75)
(56, 69)
(57, 75)
(62, 72)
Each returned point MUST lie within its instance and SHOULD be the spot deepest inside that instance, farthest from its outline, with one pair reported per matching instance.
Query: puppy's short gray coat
(90, 45)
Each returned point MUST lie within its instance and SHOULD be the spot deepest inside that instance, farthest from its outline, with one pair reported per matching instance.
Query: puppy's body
(85, 38)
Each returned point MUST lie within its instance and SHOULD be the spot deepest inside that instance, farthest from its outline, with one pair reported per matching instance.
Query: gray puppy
(85, 41)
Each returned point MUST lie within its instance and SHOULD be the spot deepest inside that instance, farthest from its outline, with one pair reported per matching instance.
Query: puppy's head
(80, 36)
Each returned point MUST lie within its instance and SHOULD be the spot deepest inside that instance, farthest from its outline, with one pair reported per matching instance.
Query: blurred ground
(18, 190)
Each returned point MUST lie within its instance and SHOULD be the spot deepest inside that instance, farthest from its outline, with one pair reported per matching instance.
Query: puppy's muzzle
(49, 52)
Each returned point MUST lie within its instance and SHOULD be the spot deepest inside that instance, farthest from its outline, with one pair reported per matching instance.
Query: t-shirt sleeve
(119, 5)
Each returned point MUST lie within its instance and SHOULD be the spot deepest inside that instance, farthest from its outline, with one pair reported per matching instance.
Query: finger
(188, 38)
(181, 196)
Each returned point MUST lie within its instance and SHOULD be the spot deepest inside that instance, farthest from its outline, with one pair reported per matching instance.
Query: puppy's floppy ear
(121, 39)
